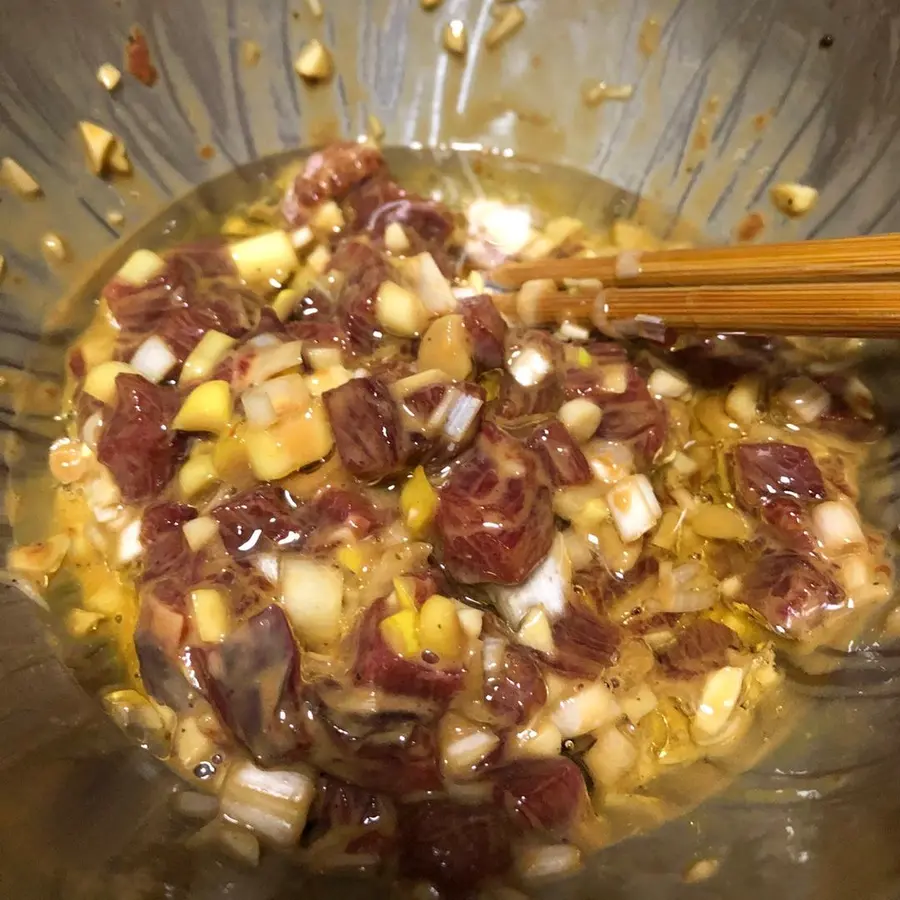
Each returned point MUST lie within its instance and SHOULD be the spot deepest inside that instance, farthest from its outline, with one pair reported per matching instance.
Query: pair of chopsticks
(848, 286)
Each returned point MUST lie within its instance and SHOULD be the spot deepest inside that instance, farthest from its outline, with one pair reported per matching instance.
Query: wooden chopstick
(861, 309)
(843, 259)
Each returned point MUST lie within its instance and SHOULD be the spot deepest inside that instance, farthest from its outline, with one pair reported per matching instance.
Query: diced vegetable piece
(634, 507)
(328, 218)
(837, 526)
(464, 745)
(556, 233)
(548, 861)
(721, 691)
(139, 718)
(196, 475)
(586, 710)
(109, 600)
(794, 200)
(418, 501)
(742, 402)
(804, 399)
(40, 558)
(507, 229)
(141, 267)
(210, 614)
(351, 559)
(154, 359)
(455, 38)
(610, 461)
(98, 145)
(101, 380)
(439, 628)
(69, 460)
(200, 531)
(207, 408)
(204, 358)
(285, 301)
(82, 622)
(724, 523)
(266, 260)
(471, 621)
(663, 383)
(109, 76)
(611, 756)
(274, 804)
(314, 62)
(395, 238)
(128, 546)
(535, 631)
(638, 703)
(399, 311)
(666, 534)
(312, 596)
(581, 418)
(327, 379)
(258, 407)
(273, 360)
(529, 366)
(545, 589)
(423, 277)
(400, 632)
(446, 346)
(289, 444)
(538, 738)
(319, 260)
(321, 359)
(15, 176)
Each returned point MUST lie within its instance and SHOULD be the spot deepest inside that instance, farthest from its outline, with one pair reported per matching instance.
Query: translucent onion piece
(837, 526)
(633, 506)
(586, 710)
(312, 596)
(461, 416)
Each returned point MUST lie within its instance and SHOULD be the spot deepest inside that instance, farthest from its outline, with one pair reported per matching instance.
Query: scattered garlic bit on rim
(54, 248)
(251, 53)
(114, 217)
(595, 94)
(2, 267)
(105, 152)
(109, 76)
(430, 4)
(375, 128)
(315, 8)
(15, 177)
(456, 38)
(314, 63)
(508, 21)
(701, 870)
(794, 200)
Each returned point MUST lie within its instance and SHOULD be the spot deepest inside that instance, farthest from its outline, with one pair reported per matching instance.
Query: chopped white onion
(267, 339)
(268, 565)
(464, 746)
(200, 531)
(142, 266)
(611, 756)
(586, 710)
(638, 703)
(548, 861)
(507, 228)
(837, 526)
(546, 588)
(258, 407)
(535, 631)
(265, 260)
(572, 331)
(400, 311)
(461, 416)
(633, 506)
(154, 359)
(493, 656)
(429, 284)
(581, 418)
(805, 399)
(312, 596)
(742, 401)
(471, 621)
(538, 738)
(273, 803)
(683, 464)
(610, 461)
(439, 416)
(721, 691)
(663, 383)
(272, 361)
(529, 367)
(130, 547)
(691, 589)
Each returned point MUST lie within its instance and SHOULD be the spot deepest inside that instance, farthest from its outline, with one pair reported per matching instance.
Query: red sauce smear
(137, 58)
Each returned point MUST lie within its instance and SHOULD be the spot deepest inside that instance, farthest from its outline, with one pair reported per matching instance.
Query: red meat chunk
(515, 693)
(544, 794)
(251, 680)
(367, 430)
(377, 664)
(329, 174)
(261, 518)
(699, 648)
(137, 444)
(545, 394)
(495, 518)
(765, 472)
(790, 593)
(451, 844)
(585, 642)
(562, 459)
(487, 330)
